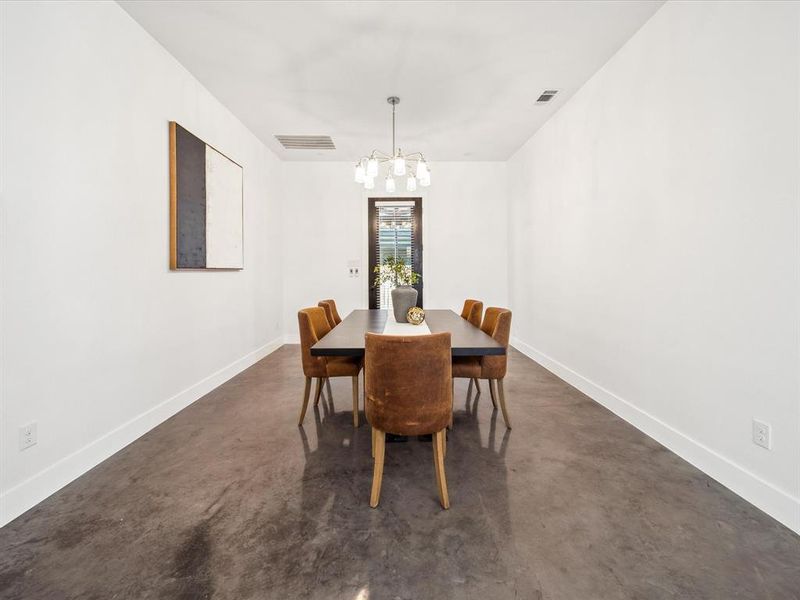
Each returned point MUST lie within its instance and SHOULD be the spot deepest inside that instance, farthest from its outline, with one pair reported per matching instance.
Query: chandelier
(412, 166)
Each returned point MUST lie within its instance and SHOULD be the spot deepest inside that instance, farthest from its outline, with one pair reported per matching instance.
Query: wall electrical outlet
(27, 436)
(762, 434)
(353, 267)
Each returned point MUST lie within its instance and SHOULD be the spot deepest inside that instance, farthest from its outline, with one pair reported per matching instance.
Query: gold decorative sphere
(415, 315)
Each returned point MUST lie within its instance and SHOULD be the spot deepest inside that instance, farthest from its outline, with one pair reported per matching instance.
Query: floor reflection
(408, 547)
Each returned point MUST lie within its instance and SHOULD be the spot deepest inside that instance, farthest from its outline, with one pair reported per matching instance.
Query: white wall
(464, 236)
(655, 241)
(100, 340)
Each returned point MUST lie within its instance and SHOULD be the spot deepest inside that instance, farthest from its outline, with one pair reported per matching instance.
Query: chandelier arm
(377, 155)
(383, 157)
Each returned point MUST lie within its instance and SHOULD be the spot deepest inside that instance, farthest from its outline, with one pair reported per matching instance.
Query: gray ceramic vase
(403, 298)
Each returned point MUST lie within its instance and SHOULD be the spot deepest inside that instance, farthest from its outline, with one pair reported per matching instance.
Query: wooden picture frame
(206, 205)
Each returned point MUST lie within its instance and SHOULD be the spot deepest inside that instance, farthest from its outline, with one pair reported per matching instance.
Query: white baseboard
(774, 501)
(291, 338)
(30, 492)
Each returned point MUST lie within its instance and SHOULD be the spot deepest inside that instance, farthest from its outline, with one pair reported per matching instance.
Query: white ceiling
(467, 73)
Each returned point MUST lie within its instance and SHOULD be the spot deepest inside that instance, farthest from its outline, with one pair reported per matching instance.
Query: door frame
(416, 264)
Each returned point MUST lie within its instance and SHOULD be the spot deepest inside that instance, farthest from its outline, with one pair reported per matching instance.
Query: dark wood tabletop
(347, 338)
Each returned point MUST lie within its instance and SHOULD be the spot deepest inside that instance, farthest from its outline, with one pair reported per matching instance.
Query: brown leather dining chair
(492, 368)
(408, 391)
(334, 319)
(472, 312)
(330, 311)
(490, 319)
(313, 327)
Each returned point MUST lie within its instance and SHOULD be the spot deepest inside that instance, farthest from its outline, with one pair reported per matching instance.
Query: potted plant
(397, 273)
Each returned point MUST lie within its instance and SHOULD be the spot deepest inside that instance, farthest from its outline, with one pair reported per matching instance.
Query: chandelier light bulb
(411, 183)
(390, 184)
(422, 171)
(369, 183)
(361, 173)
(426, 180)
(399, 165)
(372, 167)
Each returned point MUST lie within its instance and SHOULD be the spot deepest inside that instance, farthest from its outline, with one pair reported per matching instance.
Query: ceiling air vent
(546, 96)
(306, 142)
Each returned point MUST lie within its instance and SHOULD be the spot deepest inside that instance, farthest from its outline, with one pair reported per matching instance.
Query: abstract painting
(206, 205)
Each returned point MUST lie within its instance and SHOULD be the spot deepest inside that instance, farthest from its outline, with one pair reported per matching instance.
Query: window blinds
(395, 237)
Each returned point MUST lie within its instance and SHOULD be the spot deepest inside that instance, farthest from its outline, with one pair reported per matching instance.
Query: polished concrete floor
(230, 499)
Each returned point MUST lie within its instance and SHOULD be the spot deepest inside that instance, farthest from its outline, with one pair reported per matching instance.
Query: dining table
(347, 338)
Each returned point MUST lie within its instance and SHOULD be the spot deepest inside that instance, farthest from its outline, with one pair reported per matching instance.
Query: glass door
(395, 229)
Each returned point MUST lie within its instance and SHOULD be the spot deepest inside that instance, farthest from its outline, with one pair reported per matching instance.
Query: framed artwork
(206, 205)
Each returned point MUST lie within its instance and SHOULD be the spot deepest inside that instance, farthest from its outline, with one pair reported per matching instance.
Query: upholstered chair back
(330, 311)
(472, 311)
(494, 367)
(490, 319)
(408, 383)
(313, 327)
(467, 307)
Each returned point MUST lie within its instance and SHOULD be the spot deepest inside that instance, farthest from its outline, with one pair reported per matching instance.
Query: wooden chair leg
(477, 386)
(377, 473)
(438, 463)
(492, 393)
(452, 400)
(328, 388)
(355, 401)
(469, 388)
(306, 394)
(318, 391)
(373, 441)
(502, 395)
